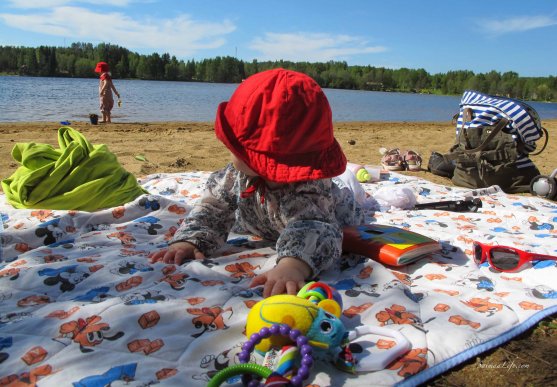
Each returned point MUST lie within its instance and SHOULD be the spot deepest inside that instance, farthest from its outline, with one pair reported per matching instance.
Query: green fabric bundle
(78, 176)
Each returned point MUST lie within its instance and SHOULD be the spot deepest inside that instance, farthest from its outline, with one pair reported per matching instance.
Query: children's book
(390, 245)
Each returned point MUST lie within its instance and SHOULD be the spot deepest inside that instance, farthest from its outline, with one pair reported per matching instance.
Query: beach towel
(80, 302)
(78, 176)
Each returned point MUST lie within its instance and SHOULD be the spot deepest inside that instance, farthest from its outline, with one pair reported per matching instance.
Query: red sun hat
(279, 123)
(101, 67)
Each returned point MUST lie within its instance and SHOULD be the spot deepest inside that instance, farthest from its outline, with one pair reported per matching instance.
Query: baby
(278, 128)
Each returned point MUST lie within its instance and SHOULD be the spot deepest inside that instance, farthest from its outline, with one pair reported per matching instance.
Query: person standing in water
(106, 86)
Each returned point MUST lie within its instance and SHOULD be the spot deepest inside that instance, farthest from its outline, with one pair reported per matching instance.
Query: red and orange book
(390, 245)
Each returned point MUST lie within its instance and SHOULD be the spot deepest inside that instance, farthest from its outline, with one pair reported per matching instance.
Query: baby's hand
(177, 253)
(288, 276)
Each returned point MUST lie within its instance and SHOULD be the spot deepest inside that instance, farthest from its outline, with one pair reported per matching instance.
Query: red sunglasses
(504, 258)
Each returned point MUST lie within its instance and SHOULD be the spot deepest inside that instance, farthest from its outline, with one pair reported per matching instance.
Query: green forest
(79, 60)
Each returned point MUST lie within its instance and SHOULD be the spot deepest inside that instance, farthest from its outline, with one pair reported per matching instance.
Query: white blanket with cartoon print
(81, 305)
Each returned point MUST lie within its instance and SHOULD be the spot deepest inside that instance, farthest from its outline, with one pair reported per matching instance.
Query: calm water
(60, 99)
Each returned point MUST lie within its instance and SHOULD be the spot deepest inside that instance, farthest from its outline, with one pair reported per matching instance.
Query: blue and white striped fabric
(524, 122)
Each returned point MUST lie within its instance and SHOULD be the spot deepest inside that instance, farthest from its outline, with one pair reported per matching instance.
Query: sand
(187, 146)
(191, 146)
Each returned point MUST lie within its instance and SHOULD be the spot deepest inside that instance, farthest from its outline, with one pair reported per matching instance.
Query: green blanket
(78, 176)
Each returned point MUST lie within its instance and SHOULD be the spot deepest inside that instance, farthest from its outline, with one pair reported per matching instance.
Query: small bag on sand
(494, 137)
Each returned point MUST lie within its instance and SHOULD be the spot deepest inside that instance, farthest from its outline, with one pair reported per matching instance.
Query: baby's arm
(311, 241)
(207, 225)
(114, 89)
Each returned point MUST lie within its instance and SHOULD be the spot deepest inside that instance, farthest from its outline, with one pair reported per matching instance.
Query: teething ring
(295, 335)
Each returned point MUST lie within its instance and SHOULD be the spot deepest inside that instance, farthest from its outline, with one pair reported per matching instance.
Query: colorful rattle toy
(282, 327)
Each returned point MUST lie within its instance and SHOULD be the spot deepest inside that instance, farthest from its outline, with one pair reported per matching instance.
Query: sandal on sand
(392, 159)
(412, 160)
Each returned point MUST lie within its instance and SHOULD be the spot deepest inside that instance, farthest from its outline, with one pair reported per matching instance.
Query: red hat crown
(101, 67)
(280, 123)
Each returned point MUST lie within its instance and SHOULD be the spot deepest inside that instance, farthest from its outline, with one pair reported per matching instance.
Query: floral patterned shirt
(305, 218)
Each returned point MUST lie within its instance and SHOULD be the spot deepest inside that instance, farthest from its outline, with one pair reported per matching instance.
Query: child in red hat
(278, 128)
(106, 86)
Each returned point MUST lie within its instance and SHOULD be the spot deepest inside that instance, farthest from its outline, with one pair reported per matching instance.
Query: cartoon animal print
(99, 294)
(125, 237)
(365, 289)
(50, 258)
(170, 233)
(411, 363)
(397, 314)
(42, 215)
(149, 223)
(215, 363)
(481, 282)
(131, 267)
(542, 292)
(97, 227)
(177, 280)
(356, 310)
(88, 333)
(239, 291)
(459, 320)
(28, 378)
(5, 342)
(403, 285)
(35, 299)
(176, 209)
(209, 319)
(68, 276)
(149, 202)
(12, 273)
(241, 270)
(146, 297)
(12, 317)
(124, 373)
(118, 212)
(50, 231)
(482, 305)
(535, 225)
(354, 289)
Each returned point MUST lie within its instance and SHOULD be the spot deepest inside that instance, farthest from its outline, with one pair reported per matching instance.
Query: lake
(67, 99)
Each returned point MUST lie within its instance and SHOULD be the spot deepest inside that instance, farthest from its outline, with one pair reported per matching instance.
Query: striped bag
(494, 138)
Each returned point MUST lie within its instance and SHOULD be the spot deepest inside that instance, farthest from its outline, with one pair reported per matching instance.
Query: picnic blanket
(81, 305)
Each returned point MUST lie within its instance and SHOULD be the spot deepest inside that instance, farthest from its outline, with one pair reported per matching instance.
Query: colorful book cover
(390, 245)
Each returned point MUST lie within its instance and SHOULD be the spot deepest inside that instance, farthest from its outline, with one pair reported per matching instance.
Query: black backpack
(494, 137)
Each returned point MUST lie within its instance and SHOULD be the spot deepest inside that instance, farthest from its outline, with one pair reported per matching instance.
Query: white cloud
(58, 3)
(517, 24)
(181, 36)
(311, 47)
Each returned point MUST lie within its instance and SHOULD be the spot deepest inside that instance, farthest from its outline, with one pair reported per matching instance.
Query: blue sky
(439, 36)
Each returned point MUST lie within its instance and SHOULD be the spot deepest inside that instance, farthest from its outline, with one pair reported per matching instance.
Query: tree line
(79, 60)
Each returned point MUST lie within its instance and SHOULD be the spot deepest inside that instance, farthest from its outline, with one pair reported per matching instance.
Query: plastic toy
(364, 174)
(308, 325)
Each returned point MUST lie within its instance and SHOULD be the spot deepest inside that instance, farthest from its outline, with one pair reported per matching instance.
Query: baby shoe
(412, 160)
(392, 160)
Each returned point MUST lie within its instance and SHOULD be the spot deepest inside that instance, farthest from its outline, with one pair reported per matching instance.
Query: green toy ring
(239, 369)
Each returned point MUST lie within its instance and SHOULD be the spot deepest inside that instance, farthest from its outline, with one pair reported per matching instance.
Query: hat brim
(282, 168)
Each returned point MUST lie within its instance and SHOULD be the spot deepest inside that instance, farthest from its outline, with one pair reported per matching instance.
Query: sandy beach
(146, 148)
(187, 146)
